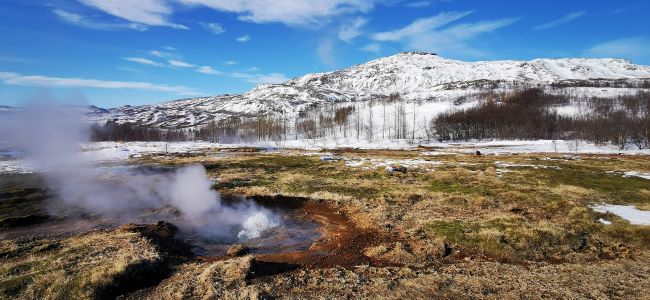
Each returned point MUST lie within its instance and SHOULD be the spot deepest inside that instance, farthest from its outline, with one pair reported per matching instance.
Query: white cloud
(241, 75)
(231, 63)
(273, 78)
(46, 81)
(144, 61)
(179, 64)
(290, 12)
(215, 28)
(563, 20)
(420, 26)
(436, 34)
(149, 12)
(208, 70)
(418, 4)
(163, 54)
(373, 47)
(7, 75)
(633, 48)
(350, 31)
(244, 38)
(85, 22)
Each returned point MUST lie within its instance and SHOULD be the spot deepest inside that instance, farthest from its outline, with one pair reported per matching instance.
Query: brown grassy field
(449, 226)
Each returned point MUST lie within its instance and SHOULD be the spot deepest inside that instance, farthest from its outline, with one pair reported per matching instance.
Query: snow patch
(637, 174)
(627, 212)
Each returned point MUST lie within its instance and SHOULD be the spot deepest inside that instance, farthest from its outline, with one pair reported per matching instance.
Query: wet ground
(309, 232)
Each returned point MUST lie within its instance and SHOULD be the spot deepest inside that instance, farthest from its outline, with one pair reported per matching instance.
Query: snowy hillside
(424, 77)
(417, 72)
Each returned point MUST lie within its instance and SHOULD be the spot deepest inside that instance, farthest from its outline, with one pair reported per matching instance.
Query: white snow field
(627, 212)
(116, 151)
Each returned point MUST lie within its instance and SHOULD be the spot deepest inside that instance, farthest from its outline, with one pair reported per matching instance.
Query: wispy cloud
(179, 64)
(163, 54)
(349, 31)
(231, 63)
(273, 78)
(7, 75)
(289, 12)
(143, 61)
(47, 81)
(632, 48)
(85, 22)
(215, 28)
(418, 4)
(420, 26)
(208, 70)
(561, 21)
(173, 61)
(149, 12)
(372, 47)
(438, 34)
(244, 38)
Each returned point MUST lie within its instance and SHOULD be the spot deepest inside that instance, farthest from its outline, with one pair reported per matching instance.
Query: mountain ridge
(416, 76)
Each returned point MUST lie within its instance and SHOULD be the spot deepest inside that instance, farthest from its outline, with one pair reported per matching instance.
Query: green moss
(455, 231)
(619, 189)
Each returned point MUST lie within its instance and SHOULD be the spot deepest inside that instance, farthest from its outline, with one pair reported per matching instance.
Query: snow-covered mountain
(413, 75)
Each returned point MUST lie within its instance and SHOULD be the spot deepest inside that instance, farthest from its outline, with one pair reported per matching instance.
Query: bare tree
(371, 125)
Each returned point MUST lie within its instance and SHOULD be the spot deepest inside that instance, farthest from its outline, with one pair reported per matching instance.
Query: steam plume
(51, 136)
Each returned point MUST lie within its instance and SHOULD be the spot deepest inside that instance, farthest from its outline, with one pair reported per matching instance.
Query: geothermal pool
(114, 195)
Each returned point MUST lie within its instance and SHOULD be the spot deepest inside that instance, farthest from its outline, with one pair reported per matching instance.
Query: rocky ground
(394, 224)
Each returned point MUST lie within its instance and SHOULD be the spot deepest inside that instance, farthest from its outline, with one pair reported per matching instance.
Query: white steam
(255, 224)
(190, 191)
(50, 136)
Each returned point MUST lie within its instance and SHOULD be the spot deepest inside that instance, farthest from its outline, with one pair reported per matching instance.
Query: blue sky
(115, 52)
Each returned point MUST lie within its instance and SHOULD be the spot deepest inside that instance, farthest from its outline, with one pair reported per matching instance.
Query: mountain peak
(417, 53)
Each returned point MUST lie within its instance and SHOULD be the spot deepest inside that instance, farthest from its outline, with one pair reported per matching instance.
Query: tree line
(526, 114)
(530, 114)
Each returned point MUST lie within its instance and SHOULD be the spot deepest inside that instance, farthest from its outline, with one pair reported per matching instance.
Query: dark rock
(399, 169)
(448, 250)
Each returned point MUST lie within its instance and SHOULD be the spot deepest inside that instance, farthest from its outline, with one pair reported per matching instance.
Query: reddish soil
(342, 242)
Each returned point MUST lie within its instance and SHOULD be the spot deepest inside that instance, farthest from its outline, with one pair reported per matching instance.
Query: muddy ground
(391, 224)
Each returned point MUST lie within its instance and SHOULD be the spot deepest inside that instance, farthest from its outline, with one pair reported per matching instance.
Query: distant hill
(414, 76)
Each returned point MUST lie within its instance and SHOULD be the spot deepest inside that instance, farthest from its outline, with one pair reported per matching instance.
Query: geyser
(51, 136)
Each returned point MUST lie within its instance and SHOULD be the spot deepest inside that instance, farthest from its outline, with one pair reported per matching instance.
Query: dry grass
(470, 228)
(72, 268)
(215, 280)
(528, 213)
